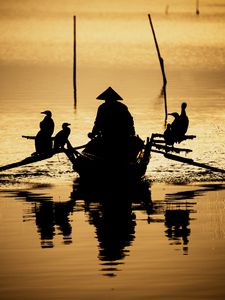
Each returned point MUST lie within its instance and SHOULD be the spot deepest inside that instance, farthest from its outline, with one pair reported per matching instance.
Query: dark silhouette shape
(168, 135)
(62, 136)
(161, 62)
(51, 215)
(177, 222)
(175, 124)
(110, 210)
(113, 125)
(43, 139)
(180, 124)
(51, 218)
(184, 121)
(197, 8)
(113, 118)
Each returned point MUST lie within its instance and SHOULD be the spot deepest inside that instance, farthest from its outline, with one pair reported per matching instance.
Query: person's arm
(96, 128)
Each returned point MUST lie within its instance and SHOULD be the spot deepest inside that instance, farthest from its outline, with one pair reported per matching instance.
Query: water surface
(57, 242)
(166, 240)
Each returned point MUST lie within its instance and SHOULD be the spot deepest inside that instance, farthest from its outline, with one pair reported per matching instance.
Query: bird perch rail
(157, 147)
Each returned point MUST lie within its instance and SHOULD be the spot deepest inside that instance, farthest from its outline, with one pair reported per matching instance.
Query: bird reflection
(52, 218)
(176, 222)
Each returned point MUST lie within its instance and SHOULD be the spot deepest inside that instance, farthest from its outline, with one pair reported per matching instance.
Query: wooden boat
(91, 166)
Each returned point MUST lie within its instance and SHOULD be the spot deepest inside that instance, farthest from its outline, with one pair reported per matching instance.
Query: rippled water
(55, 237)
(59, 241)
(115, 48)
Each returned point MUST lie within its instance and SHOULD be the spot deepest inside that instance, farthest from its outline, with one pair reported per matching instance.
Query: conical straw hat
(109, 94)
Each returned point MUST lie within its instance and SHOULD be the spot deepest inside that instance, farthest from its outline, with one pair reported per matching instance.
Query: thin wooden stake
(161, 61)
(197, 7)
(74, 62)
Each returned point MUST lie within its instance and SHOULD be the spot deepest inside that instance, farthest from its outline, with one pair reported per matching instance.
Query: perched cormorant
(176, 123)
(43, 139)
(183, 119)
(62, 136)
(47, 124)
(168, 135)
(180, 124)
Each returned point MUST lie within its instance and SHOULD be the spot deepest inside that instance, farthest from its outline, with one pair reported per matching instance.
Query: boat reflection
(112, 211)
(113, 216)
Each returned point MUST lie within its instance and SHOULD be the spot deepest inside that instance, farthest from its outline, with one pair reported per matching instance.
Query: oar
(26, 161)
(189, 161)
(36, 158)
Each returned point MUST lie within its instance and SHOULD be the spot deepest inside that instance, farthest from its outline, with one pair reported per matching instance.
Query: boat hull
(93, 168)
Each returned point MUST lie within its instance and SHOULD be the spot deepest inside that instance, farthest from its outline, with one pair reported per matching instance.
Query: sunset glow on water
(60, 242)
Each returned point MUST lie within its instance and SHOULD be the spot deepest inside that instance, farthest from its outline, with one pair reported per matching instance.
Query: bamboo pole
(197, 7)
(161, 61)
(74, 62)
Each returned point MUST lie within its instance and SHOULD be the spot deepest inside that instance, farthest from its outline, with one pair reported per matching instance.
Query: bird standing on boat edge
(180, 124)
(47, 124)
(62, 136)
(43, 139)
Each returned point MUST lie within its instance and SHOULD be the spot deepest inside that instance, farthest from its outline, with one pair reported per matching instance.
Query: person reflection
(115, 230)
(110, 210)
(177, 222)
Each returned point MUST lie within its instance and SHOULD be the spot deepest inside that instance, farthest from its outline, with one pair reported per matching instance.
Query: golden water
(114, 48)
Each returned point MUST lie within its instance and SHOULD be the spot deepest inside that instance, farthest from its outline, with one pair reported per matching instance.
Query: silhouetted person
(43, 139)
(62, 136)
(113, 117)
(113, 122)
